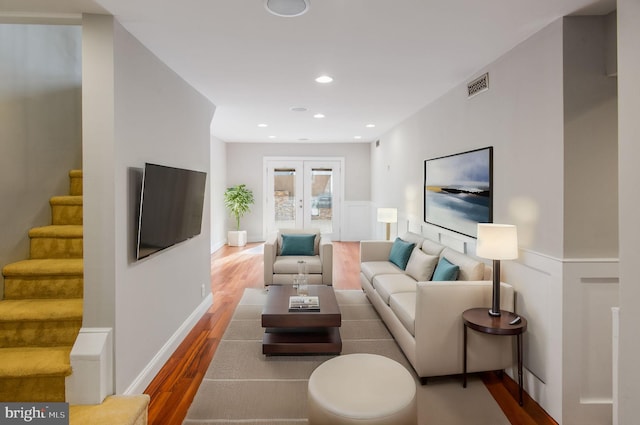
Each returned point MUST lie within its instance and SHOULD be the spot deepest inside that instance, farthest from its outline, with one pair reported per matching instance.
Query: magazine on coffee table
(304, 303)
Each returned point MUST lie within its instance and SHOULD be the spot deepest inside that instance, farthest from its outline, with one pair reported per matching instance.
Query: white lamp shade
(497, 241)
(387, 215)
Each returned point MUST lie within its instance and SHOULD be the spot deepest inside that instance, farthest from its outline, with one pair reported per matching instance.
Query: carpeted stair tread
(41, 310)
(34, 361)
(120, 410)
(45, 267)
(57, 231)
(66, 200)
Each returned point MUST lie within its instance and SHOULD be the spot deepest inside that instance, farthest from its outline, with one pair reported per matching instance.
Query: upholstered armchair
(283, 250)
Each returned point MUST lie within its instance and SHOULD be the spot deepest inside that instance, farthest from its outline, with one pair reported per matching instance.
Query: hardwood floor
(236, 268)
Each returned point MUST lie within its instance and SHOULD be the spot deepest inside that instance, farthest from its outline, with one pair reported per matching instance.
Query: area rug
(242, 386)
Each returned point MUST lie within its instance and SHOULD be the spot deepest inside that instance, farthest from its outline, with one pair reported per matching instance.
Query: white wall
(218, 182)
(524, 117)
(137, 110)
(245, 165)
(629, 176)
(40, 127)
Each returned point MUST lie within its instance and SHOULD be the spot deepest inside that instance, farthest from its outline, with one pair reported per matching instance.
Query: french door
(303, 193)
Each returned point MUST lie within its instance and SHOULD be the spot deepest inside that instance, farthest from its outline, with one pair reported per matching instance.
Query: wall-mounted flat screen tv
(171, 206)
(458, 190)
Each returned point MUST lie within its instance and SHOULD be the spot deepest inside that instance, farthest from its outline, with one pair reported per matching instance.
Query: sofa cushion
(403, 305)
(445, 271)
(421, 265)
(470, 269)
(432, 248)
(370, 269)
(298, 244)
(400, 252)
(388, 284)
(289, 264)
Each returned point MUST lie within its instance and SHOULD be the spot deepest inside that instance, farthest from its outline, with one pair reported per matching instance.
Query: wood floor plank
(232, 270)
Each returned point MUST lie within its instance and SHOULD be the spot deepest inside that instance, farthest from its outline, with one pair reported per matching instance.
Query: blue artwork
(457, 190)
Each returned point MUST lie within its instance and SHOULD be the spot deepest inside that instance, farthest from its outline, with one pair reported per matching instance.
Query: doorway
(303, 193)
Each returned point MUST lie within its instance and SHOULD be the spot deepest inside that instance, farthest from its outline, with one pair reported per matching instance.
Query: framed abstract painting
(458, 190)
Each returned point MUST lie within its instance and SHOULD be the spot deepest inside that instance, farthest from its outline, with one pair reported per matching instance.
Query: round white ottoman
(362, 389)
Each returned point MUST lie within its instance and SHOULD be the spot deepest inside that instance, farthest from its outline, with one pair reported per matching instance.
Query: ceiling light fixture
(318, 116)
(357, 137)
(287, 8)
(370, 125)
(263, 125)
(324, 79)
(272, 137)
(298, 109)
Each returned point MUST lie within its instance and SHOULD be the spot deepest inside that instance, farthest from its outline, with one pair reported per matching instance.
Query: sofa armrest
(270, 252)
(326, 258)
(375, 250)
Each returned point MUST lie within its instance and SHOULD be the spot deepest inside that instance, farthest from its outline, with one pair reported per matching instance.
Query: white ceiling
(388, 58)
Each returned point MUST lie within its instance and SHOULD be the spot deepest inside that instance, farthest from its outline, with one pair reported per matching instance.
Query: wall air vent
(478, 85)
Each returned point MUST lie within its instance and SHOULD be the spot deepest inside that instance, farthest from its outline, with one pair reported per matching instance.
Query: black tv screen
(171, 206)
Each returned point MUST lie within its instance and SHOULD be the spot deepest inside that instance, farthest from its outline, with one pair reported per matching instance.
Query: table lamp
(497, 242)
(388, 215)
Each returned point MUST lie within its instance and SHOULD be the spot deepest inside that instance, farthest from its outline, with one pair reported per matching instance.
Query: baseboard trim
(145, 377)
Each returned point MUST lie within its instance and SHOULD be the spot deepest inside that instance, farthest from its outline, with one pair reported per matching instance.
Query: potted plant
(238, 199)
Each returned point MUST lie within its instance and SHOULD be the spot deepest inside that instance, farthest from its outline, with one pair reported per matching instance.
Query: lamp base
(494, 313)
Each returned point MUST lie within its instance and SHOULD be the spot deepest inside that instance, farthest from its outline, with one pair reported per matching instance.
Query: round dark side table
(479, 320)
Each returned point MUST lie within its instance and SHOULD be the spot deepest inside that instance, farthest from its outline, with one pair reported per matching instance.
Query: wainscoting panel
(357, 217)
(591, 289)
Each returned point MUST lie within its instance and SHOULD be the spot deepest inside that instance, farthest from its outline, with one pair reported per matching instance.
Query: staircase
(41, 313)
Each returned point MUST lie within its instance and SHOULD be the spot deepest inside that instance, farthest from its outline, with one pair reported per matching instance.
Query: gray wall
(590, 142)
(137, 110)
(629, 176)
(40, 127)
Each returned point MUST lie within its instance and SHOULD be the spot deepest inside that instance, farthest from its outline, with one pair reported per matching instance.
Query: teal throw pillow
(445, 271)
(298, 244)
(400, 253)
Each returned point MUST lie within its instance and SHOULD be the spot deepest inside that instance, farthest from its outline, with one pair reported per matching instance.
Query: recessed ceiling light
(357, 137)
(263, 125)
(298, 109)
(318, 116)
(324, 79)
(287, 8)
(370, 125)
(272, 137)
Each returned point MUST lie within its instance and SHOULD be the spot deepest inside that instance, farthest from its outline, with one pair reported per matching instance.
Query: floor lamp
(497, 242)
(388, 215)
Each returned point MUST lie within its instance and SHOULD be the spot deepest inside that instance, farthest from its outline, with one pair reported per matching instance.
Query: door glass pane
(322, 199)
(284, 195)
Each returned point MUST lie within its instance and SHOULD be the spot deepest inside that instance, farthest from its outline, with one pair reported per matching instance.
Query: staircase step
(75, 182)
(66, 209)
(39, 323)
(121, 410)
(44, 278)
(33, 374)
(45, 268)
(61, 241)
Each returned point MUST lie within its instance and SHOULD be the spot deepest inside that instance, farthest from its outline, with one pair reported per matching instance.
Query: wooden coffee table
(301, 332)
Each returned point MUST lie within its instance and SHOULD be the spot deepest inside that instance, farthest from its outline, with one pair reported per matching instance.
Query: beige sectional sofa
(424, 316)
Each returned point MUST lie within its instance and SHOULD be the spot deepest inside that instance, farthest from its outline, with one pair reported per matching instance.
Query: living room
(534, 116)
